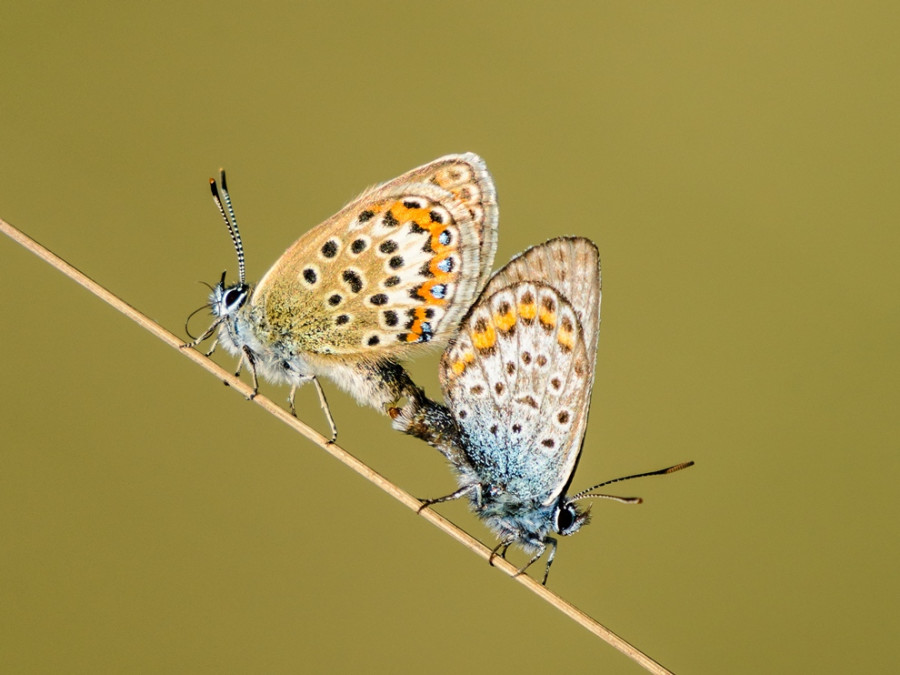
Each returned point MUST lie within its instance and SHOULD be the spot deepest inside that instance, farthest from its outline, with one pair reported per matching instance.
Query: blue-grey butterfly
(517, 383)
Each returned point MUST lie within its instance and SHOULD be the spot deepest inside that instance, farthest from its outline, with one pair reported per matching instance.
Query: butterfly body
(385, 278)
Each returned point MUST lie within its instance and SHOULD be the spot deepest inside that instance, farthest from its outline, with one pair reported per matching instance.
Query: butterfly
(517, 383)
(386, 277)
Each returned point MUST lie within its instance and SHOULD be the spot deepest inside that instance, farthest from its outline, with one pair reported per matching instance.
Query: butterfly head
(225, 301)
(528, 524)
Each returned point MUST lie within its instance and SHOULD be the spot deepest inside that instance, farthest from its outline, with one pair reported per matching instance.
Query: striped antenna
(230, 220)
(586, 494)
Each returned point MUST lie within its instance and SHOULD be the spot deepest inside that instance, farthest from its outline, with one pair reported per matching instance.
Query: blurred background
(737, 166)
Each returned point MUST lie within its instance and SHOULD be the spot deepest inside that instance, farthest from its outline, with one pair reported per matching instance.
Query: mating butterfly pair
(406, 265)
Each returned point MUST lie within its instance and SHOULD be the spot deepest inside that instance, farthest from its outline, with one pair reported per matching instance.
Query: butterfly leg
(505, 546)
(291, 407)
(212, 347)
(550, 556)
(548, 542)
(209, 331)
(541, 548)
(449, 498)
(251, 364)
(323, 402)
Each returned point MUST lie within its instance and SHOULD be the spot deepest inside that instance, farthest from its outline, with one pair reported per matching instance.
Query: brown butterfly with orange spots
(390, 274)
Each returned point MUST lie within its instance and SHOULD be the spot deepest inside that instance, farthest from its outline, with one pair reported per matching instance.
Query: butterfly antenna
(585, 494)
(188, 320)
(227, 210)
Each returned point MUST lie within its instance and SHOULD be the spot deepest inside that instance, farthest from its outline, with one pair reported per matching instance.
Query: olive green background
(736, 164)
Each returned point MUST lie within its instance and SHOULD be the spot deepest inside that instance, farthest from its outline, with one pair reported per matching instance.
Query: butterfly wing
(467, 178)
(517, 380)
(569, 264)
(395, 268)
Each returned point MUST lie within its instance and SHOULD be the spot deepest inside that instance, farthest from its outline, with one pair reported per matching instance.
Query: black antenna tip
(679, 467)
(222, 178)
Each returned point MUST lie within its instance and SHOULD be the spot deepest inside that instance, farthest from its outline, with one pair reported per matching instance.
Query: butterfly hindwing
(569, 264)
(395, 268)
(516, 380)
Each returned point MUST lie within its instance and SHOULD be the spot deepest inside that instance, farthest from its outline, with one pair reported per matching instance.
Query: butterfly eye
(568, 520)
(234, 297)
(564, 519)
